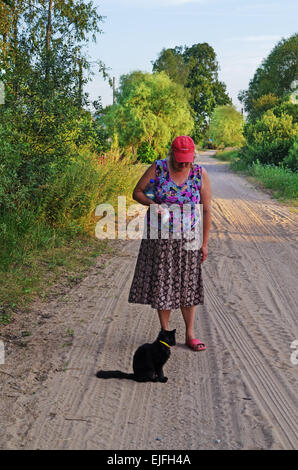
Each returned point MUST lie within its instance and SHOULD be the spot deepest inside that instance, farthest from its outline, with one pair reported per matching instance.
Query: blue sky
(242, 33)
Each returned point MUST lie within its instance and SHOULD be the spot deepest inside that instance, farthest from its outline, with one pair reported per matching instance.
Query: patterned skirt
(168, 275)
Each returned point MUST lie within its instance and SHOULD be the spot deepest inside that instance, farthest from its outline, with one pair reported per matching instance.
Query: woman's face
(180, 166)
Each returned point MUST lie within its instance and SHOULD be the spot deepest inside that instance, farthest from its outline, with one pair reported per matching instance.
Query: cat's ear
(173, 331)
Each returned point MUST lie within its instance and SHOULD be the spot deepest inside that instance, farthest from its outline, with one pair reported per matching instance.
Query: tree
(196, 68)
(44, 68)
(150, 108)
(205, 89)
(172, 62)
(226, 127)
(274, 76)
(263, 104)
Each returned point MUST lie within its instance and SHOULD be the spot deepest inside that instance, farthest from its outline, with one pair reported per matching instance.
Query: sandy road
(239, 394)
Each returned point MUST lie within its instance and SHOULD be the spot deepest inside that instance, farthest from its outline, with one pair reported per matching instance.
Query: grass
(5, 318)
(41, 271)
(282, 183)
(43, 258)
(227, 156)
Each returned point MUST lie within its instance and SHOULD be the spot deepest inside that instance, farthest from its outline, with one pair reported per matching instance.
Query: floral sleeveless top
(168, 192)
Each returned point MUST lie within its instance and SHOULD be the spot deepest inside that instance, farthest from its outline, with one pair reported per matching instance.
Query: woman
(167, 275)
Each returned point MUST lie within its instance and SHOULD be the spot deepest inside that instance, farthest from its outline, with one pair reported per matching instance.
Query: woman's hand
(204, 253)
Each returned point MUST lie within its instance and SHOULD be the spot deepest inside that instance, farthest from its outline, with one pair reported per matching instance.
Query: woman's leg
(164, 316)
(189, 318)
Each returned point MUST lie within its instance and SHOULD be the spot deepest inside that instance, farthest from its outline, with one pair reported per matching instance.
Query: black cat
(148, 360)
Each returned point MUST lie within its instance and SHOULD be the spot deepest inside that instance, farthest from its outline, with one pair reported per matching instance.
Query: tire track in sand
(238, 394)
(240, 322)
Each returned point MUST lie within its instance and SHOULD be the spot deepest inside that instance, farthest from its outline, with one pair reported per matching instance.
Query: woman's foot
(195, 344)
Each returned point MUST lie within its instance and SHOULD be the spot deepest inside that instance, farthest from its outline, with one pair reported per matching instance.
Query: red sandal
(195, 344)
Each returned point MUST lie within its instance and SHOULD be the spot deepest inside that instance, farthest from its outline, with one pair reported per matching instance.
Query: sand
(241, 393)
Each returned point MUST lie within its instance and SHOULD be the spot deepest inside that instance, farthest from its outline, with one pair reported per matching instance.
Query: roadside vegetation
(282, 182)
(266, 143)
(62, 155)
(56, 163)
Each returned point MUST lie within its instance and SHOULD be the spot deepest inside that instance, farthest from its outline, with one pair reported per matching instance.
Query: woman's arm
(138, 193)
(206, 201)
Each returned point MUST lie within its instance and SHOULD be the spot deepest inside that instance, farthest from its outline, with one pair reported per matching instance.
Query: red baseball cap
(183, 148)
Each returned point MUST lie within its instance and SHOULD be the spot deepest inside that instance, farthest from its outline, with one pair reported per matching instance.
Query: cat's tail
(114, 374)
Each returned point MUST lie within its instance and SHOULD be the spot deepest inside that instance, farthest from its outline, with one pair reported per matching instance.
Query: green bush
(262, 104)
(287, 107)
(73, 195)
(270, 138)
(291, 161)
(70, 195)
(146, 153)
(66, 203)
(226, 127)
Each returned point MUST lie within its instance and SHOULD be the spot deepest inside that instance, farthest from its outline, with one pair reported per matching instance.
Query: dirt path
(239, 394)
